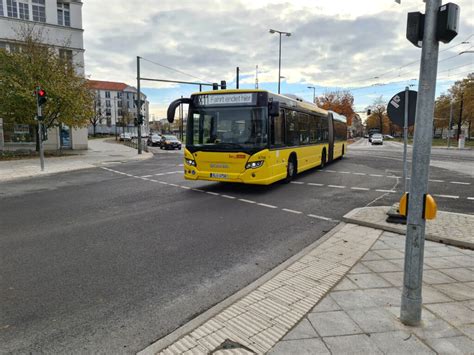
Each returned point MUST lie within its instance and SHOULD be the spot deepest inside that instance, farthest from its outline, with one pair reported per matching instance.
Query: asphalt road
(110, 260)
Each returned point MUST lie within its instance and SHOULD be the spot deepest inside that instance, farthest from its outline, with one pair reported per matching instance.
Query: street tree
(341, 102)
(33, 64)
(99, 111)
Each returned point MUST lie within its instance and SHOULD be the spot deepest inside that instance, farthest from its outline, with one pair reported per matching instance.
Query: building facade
(60, 24)
(116, 109)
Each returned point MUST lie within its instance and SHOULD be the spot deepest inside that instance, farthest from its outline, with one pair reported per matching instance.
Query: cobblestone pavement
(100, 152)
(360, 315)
(450, 228)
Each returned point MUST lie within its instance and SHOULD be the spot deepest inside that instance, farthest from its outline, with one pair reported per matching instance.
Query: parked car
(154, 139)
(376, 138)
(125, 136)
(387, 136)
(170, 142)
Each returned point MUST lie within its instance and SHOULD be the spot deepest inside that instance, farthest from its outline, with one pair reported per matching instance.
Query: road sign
(396, 108)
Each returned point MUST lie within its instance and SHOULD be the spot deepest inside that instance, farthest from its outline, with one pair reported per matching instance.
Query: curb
(187, 328)
(349, 218)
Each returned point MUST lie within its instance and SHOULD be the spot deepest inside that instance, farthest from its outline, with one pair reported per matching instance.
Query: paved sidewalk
(100, 152)
(341, 297)
(450, 228)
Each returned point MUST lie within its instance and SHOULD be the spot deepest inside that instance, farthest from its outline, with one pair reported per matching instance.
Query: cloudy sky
(335, 44)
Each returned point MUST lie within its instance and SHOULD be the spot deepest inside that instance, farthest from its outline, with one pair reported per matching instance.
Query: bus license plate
(219, 176)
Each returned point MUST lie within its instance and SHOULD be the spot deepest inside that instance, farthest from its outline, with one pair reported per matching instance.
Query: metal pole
(40, 133)
(410, 312)
(460, 116)
(405, 141)
(139, 108)
(279, 64)
(237, 78)
(450, 122)
(181, 118)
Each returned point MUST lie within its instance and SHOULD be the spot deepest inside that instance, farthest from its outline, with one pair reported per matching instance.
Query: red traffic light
(41, 93)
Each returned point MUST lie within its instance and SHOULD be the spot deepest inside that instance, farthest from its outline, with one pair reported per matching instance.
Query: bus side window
(292, 136)
(278, 130)
(313, 128)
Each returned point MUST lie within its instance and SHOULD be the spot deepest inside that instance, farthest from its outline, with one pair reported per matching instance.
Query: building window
(108, 111)
(107, 94)
(39, 10)
(128, 104)
(66, 56)
(12, 9)
(24, 11)
(119, 95)
(64, 15)
(120, 112)
(119, 103)
(107, 103)
(3, 45)
(128, 96)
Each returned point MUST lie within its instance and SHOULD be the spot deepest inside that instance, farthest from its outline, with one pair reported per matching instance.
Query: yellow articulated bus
(257, 137)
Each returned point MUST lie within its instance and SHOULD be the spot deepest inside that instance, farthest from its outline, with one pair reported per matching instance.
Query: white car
(125, 136)
(376, 138)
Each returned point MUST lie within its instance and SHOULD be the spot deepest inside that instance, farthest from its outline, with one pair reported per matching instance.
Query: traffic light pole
(139, 108)
(405, 142)
(39, 116)
(410, 312)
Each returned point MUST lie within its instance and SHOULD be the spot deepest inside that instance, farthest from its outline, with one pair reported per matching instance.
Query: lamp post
(314, 93)
(288, 34)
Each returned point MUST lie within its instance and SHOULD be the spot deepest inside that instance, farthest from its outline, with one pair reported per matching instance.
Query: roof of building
(107, 85)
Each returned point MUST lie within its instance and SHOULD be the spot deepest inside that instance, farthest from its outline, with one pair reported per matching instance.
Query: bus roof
(288, 101)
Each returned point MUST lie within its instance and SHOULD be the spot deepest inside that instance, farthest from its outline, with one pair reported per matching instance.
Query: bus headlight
(254, 164)
(190, 162)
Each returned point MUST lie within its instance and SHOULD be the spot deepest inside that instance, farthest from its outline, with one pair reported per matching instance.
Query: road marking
(446, 196)
(244, 200)
(265, 205)
(360, 174)
(146, 176)
(297, 182)
(389, 191)
(198, 190)
(471, 198)
(436, 180)
(159, 174)
(315, 184)
(320, 217)
(185, 187)
(393, 177)
(345, 172)
(376, 175)
(360, 188)
(330, 171)
(291, 211)
(460, 183)
(230, 197)
(212, 193)
(337, 186)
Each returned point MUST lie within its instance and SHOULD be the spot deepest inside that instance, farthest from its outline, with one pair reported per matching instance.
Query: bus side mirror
(172, 108)
(274, 108)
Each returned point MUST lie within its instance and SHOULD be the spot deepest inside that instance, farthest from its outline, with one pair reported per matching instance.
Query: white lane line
(393, 177)
(248, 201)
(159, 174)
(436, 180)
(229, 197)
(330, 171)
(173, 185)
(376, 175)
(291, 211)
(460, 183)
(297, 182)
(360, 188)
(337, 186)
(198, 190)
(362, 174)
(344, 172)
(389, 191)
(265, 205)
(185, 187)
(212, 193)
(446, 196)
(163, 183)
(315, 184)
(471, 198)
(146, 176)
(320, 217)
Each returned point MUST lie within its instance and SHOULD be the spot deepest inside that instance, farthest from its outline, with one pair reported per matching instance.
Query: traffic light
(41, 96)
(139, 121)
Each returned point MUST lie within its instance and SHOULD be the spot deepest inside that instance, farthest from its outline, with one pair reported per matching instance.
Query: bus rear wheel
(291, 169)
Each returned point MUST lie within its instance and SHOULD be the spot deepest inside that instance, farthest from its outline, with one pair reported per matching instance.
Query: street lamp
(314, 93)
(287, 34)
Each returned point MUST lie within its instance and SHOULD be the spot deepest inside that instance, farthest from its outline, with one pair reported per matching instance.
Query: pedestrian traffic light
(41, 96)
(139, 121)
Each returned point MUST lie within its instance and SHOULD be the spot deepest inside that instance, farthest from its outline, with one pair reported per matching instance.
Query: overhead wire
(175, 70)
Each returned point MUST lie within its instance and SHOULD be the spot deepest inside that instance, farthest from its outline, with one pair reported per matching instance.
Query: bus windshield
(228, 128)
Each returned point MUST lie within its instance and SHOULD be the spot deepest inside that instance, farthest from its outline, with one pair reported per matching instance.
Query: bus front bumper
(249, 176)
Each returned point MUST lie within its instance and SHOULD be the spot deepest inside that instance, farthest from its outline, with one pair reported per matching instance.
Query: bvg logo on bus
(220, 166)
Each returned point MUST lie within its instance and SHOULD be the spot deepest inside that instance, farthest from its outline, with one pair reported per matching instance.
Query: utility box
(415, 28)
(448, 22)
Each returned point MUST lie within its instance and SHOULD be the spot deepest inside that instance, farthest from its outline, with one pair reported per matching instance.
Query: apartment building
(116, 108)
(60, 23)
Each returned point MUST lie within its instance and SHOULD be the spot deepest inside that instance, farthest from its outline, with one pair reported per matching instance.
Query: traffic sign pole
(139, 108)
(405, 142)
(410, 312)
(39, 117)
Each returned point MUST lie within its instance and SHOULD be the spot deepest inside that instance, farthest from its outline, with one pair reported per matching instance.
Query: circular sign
(396, 108)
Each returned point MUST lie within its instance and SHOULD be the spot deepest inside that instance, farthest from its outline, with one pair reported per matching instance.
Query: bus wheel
(342, 154)
(323, 159)
(291, 169)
